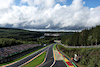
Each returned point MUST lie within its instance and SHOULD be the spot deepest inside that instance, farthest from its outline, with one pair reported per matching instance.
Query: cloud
(47, 26)
(41, 14)
(42, 4)
(5, 4)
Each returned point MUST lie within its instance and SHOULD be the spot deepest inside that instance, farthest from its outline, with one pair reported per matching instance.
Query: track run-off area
(61, 60)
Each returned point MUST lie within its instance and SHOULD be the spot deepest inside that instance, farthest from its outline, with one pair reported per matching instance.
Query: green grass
(55, 47)
(89, 56)
(22, 57)
(36, 61)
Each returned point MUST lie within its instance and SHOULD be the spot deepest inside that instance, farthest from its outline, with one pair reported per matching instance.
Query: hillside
(11, 36)
(86, 37)
(18, 34)
(89, 56)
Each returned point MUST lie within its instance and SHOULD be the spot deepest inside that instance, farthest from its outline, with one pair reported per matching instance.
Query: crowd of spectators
(8, 51)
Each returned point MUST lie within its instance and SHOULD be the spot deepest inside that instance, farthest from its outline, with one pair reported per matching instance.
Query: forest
(12, 36)
(19, 34)
(84, 38)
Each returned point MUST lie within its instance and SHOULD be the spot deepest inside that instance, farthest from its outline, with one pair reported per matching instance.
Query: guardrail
(80, 46)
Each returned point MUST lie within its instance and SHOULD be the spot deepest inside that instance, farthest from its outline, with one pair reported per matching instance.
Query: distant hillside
(11, 37)
(18, 34)
(86, 37)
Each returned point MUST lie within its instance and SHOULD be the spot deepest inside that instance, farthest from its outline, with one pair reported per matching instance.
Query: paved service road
(80, 46)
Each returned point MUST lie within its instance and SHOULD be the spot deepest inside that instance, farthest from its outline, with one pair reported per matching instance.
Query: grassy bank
(54, 46)
(90, 57)
(36, 61)
(22, 57)
(19, 58)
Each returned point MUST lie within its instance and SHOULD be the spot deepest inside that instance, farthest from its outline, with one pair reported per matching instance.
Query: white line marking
(47, 52)
(45, 57)
(53, 61)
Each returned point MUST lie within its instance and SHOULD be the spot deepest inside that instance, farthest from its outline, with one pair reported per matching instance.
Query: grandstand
(12, 50)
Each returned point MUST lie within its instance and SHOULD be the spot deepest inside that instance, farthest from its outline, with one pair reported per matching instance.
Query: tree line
(85, 37)
(11, 37)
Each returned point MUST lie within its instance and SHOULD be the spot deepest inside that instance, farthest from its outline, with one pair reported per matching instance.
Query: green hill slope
(10, 36)
(18, 34)
(86, 37)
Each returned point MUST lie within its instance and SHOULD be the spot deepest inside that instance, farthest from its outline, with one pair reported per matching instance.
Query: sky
(49, 14)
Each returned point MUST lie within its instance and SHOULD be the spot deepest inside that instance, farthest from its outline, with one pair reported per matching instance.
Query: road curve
(49, 58)
(22, 61)
(50, 62)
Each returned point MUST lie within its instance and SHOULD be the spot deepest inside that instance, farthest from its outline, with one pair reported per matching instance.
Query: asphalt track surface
(49, 60)
(22, 61)
(59, 63)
